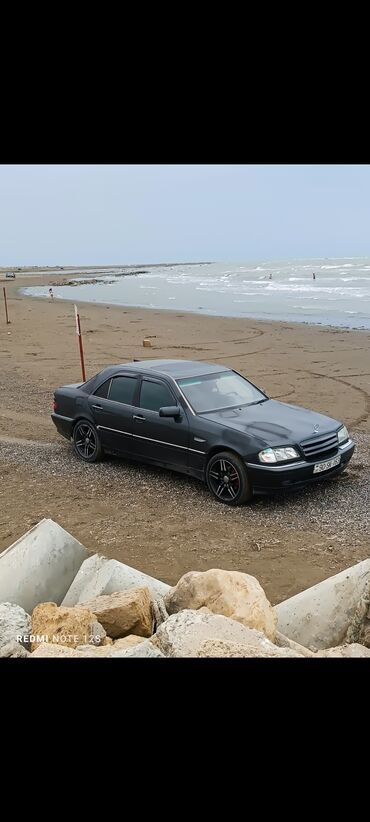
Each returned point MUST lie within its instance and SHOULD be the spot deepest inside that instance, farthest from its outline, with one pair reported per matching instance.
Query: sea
(338, 294)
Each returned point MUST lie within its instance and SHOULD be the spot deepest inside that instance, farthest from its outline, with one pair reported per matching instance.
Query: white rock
(354, 650)
(13, 650)
(230, 593)
(183, 634)
(50, 649)
(14, 622)
(220, 648)
(142, 651)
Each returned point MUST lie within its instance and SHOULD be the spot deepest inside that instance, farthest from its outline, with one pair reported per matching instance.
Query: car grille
(320, 446)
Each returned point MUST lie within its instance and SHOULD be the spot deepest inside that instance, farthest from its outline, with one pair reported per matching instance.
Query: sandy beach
(170, 524)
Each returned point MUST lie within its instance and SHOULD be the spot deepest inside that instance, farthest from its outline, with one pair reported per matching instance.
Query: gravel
(340, 505)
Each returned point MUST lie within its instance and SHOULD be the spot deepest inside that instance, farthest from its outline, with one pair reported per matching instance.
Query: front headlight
(270, 455)
(343, 434)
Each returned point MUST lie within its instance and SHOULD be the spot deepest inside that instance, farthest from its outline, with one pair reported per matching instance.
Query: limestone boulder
(15, 624)
(50, 649)
(230, 593)
(127, 642)
(13, 650)
(94, 650)
(113, 649)
(65, 626)
(183, 634)
(354, 650)
(124, 612)
(220, 648)
(144, 650)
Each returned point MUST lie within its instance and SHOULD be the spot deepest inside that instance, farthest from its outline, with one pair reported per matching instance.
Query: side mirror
(170, 411)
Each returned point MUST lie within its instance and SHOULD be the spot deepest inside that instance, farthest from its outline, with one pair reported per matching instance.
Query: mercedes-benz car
(204, 420)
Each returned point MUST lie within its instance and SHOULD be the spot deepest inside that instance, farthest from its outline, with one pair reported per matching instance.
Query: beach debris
(147, 343)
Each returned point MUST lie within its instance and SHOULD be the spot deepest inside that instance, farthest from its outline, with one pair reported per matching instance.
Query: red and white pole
(6, 306)
(78, 332)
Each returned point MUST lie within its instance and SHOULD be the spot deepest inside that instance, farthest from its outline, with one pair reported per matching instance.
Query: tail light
(55, 405)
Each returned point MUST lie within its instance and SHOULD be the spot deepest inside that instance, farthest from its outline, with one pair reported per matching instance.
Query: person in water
(314, 276)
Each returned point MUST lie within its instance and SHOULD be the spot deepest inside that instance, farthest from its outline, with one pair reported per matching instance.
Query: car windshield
(214, 392)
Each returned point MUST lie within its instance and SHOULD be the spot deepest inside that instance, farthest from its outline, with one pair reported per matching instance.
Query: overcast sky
(117, 214)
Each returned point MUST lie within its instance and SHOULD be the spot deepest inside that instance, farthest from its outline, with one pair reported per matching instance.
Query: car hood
(275, 423)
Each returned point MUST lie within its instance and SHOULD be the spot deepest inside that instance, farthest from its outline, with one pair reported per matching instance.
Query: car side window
(103, 389)
(155, 395)
(123, 389)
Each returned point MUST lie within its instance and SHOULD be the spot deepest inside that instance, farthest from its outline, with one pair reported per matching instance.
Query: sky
(127, 214)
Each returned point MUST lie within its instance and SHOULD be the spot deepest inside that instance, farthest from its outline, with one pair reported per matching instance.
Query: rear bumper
(64, 425)
(268, 478)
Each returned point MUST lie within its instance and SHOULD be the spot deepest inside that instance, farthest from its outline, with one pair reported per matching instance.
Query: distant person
(314, 276)
(51, 294)
(270, 277)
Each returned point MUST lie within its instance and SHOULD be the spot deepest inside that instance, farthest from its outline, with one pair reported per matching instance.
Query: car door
(112, 406)
(160, 439)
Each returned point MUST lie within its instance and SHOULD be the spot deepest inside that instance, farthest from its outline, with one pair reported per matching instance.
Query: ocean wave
(352, 279)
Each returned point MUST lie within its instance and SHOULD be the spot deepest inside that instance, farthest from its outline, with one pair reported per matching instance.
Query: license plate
(324, 466)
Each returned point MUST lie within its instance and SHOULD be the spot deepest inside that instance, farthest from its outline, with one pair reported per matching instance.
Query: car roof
(172, 368)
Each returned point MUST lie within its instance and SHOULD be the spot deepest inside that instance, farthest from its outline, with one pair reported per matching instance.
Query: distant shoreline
(54, 268)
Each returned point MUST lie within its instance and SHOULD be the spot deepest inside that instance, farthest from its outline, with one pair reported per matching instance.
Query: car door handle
(98, 407)
(138, 418)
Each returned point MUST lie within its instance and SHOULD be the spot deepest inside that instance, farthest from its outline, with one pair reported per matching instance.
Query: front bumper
(267, 478)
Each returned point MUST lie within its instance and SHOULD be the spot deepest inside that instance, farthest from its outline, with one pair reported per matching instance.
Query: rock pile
(107, 609)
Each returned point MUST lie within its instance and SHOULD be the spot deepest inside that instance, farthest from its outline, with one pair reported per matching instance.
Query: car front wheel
(86, 442)
(227, 479)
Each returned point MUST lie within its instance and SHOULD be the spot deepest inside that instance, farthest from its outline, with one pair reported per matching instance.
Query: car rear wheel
(227, 479)
(86, 442)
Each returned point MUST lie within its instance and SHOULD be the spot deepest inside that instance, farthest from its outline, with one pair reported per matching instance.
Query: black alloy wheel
(86, 441)
(227, 479)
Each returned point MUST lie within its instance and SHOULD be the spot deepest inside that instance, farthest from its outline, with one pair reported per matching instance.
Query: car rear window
(123, 389)
(103, 389)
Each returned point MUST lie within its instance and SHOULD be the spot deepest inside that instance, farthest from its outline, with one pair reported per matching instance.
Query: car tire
(227, 479)
(86, 441)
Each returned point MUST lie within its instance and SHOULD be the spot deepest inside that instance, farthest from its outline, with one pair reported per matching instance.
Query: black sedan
(204, 420)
